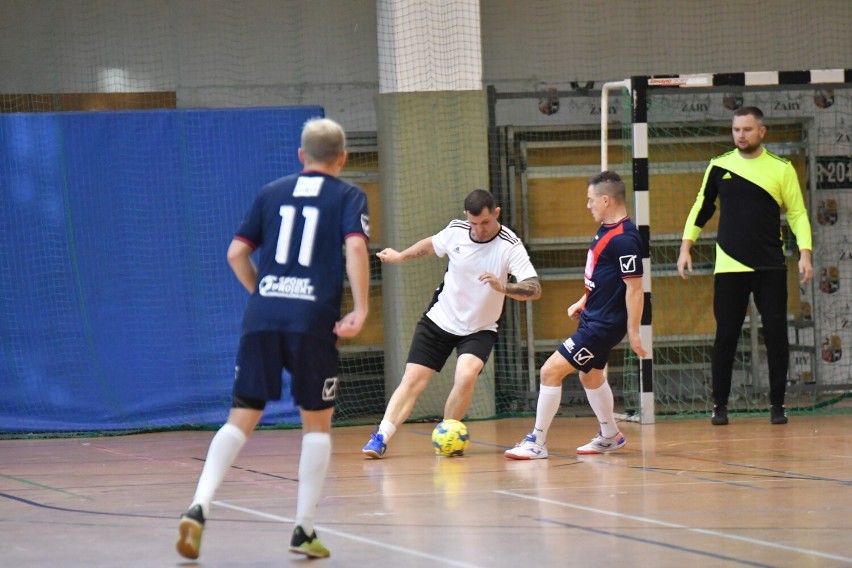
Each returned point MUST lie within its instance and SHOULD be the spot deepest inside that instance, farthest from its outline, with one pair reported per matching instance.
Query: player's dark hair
(477, 200)
(609, 183)
(750, 110)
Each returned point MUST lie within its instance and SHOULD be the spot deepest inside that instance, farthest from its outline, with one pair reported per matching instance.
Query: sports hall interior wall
(72, 56)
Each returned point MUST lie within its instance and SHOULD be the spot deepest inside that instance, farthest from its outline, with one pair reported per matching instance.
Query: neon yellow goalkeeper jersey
(751, 194)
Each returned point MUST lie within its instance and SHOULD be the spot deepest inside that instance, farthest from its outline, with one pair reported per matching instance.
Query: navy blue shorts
(431, 346)
(586, 351)
(312, 363)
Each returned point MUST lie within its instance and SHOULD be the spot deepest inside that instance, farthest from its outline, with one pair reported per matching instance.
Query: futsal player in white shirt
(464, 310)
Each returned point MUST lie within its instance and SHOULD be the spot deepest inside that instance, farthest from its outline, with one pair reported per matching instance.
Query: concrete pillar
(433, 150)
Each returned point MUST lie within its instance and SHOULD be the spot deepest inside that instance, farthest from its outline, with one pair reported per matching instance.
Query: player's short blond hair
(323, 140)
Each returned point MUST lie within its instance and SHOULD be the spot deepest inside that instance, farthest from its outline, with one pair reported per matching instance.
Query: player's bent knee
(415, 382)
(553, 375)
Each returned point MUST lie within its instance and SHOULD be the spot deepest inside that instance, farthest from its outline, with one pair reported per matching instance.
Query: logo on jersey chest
(287, 287)
(474, 257)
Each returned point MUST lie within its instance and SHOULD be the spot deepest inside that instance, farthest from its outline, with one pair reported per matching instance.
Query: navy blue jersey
(300, 223)
(615, 254)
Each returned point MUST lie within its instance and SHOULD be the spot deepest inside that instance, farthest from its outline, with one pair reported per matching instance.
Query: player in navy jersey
(464, 311)
(610, 308)
(301, 224)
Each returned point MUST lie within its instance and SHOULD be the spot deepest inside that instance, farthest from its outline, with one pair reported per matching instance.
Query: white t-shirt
(465, 305)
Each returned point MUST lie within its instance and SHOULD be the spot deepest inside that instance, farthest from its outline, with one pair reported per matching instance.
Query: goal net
(547, 156)
(808, 124)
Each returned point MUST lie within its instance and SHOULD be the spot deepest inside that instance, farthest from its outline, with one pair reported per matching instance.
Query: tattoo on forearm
(527, 288)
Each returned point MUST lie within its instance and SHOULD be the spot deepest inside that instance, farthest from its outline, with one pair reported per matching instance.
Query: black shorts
(431, 345)
(312, 364)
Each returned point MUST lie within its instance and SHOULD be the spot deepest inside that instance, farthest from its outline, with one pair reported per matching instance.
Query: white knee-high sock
(601, 401)
(224, 448)
(313, 467)
(387, 429)
(549, 399)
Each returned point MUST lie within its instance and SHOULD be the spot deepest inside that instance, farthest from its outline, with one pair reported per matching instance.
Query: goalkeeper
(752, 185)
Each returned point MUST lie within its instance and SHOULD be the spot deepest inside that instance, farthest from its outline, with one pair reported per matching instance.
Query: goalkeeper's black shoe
(720, 415)
(777, 414)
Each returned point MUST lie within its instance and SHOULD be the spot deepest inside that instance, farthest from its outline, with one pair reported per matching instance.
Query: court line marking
(679, 526)
(43, 486)
(680, 548)
(443, 560)
(791, 474)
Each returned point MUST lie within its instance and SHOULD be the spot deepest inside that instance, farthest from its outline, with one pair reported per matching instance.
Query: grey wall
(279, 52)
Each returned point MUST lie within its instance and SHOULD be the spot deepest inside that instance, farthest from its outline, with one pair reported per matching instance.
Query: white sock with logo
(601, 401)
(549, 399)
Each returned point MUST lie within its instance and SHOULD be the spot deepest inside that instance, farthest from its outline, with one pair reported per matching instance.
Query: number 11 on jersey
(285, 233)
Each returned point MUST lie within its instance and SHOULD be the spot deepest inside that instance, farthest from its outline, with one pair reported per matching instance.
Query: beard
(748, 148)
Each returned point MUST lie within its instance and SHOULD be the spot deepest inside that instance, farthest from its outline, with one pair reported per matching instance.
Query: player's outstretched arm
(417, 250)
(239, 257)
(358, 271)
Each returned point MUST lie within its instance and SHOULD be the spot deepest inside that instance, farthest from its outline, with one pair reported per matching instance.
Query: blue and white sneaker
(527, 449)
(376, 447)
(601, 445)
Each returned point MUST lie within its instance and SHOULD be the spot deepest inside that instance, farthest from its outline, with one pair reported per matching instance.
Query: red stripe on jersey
(598, 247)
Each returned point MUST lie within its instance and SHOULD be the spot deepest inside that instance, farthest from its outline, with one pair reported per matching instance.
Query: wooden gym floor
(681, 493)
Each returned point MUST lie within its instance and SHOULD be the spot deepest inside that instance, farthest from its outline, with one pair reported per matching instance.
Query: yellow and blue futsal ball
(450, 438)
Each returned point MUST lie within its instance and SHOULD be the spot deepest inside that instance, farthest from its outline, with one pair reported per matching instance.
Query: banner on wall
(833, 264)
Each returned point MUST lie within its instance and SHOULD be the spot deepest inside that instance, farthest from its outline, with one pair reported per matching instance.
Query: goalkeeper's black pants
(730, 303)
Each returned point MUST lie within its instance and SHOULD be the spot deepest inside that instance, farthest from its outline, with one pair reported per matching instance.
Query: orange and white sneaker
(601, 445)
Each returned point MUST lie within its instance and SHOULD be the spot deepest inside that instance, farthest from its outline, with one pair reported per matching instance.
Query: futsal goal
(660, 132)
